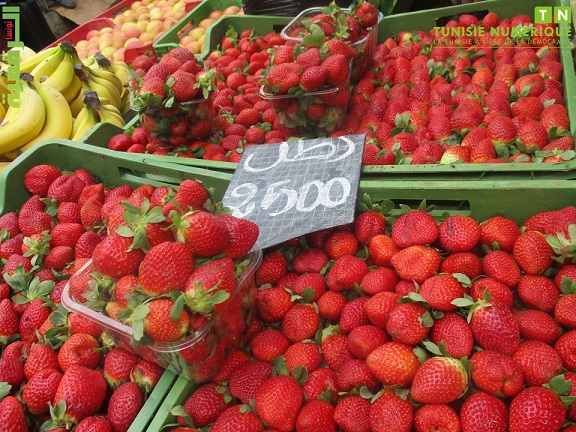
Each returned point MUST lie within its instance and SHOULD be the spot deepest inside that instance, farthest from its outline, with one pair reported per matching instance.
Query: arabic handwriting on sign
(305, 152)
(11, 15)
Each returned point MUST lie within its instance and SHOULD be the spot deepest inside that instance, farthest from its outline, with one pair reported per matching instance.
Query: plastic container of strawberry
(365, 48)
(199, 355)
(295, 112)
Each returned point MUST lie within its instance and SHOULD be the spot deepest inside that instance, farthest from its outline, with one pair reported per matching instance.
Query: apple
(197, 32)
(137, 4)
(146, 37)
(144, 17)
(119, 54)
(92, 33)
(179, 15)
(194, 47)
(132, 43)
(141, 25)
(231, 10)
(169, 23)
(108, 51)
(205, 23)
(156, 13)
(132, 32)
(154, 26)
(215, 14)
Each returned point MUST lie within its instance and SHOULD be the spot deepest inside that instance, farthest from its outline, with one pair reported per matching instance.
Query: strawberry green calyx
(37, 290)
(467, 302)
(206, 81)
(203, 301)
(562, 387)
(137, 220)
(564, 248)
(4, 390)
(58, 418)
(20, 279)
(382, 207)
(136, 320)
(179, 411)
(567, 285)
(38, 247)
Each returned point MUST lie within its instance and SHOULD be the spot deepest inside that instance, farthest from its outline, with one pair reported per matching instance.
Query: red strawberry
(462, 262)
(12, 415)
(532, 252)
(313, 78)
(555, 116)
(414, 228)
(338, 69)
(38, 179)
(393, 363)
(322, 382)
(317, 415)
(300, 322)
(146, 374)
(166, 267)
(496, 373)
(439, 291)
(381, 249)
(336, 46)
(238, 418)
(537, 325)
(59, 257)
(501, 230)
(484, 413)
(284, 76)
(416, 263)
(32, 319)
(538, 292)
(459, 233)
(536, 408)
(352, 414)
(331, 304)
(454, 332)
(273, 303)
(346, 271)
(436, 416)
(248, 117)
(364, 339)
(529, 85)
(125, 262)
(497, 290)
(269, 344)
(79, 349)
(501, 266)
(86, 245)
(119, 142)
(278, 401)
(367, 225)
(494, 327)
(247, 378)
(210, 286)
(439, 380)
(82, 390)
(367, 14)
(39, 391)
(206, 404)
(203, 232)
(8, 322)
(309, 285)
(94, 424)
(409, 323)
(159, 325)
(391, 413)
(118, 364)
(35, 222)
(124, 405)
(11, 371)
(304, 354)
(66, 188)
(355, 374)
(539, 362)
(565, 347)
(39, 358)
(310, 260)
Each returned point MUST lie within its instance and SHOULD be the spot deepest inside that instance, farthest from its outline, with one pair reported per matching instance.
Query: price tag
(293, 188)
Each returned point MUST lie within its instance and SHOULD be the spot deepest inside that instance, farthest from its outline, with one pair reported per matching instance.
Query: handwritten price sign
(294, 188)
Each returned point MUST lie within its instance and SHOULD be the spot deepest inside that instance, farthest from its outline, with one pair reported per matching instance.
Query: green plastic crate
(170, 39)
(480, 200)
(112, 168)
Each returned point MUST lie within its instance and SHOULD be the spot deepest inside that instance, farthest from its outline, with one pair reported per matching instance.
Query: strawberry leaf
(567, 285)
(463, 279)
(421, 353)
(179, 411)
(4, 389)
(137, 321)
(560, 385)
(432, 347)
(177, 308)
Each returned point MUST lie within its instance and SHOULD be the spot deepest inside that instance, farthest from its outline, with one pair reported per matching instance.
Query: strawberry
(539, 362)
(390, 412)
(124, 263)
(414, 228)
(379, 280)
(166, 267)
(501, 130)
(82, 391)
(304, 354)
(393, 364)
(118, 364)
(381, 249)
(335, 348)
(273, 303)
(364, 339)
(458, 233)
(565, 347)
(494, 327)
(39, 391)
(409, 323)
(355, 374)
(341, 243)
(12, 415)
(331, 304)
(269, 344)
(530, 106)
(283, 77)
(313, 78)
(532, 252)
(497, 290)
(310, 260)
(416, 263)
(536, 408)
(366, 14)
(439, 291)
(146, 374)
(439, 380)
(68, 212)
(11, 371)
(210, 286)
(538, 292)
(496, 373)
(353, 315)
(462, 262)
(248, 117)
(338, 69)
(158, 323)
(124, 405)
(439, 417)
(247, 378)
(35, 222)
(8, 322)
(346, 271)
(237, 418)
(119, 142)
(66, 234)
(317, 415)
(352, 414)
(79, 349)
(555, 116)
(367, 225)
(39, 358)
(533, 135)
(484, 412)
(321, 383)
(94, 424)
(32, 319)
(529, 85)
(501, 230)
(336, 46)
(66, 188)
(501, 266)
(537, 325)
(86, 245)
(455, 333)
(278, 401)
(563, 310)
(206, 404)
(300, 322)
(310, 286)
(203, 232)
(59, 257)
(38, 179)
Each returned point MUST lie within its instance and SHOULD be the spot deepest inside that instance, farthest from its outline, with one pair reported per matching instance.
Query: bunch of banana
(4, 92)
(119, 69)
(24, 123)
(58, 122)
(95, 110)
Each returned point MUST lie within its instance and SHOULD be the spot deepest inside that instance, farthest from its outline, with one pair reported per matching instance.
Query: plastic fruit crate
(199, 356)
(365, 47)
(480, 200)
(170, 39)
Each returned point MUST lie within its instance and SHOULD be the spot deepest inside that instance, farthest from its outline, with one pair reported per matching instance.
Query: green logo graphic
(547, 14)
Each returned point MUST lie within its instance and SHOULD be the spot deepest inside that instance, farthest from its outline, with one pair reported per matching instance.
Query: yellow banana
(125, 105)
(48, 66)
(63, 75)
(25, 122)
(86, 120)
(105, 89)
(28, 65)
(73, 90)
(58, 116)
(4, 92)
(121, 70)
(89, 61)
(76, 105)
(2, 112)
(110, 114)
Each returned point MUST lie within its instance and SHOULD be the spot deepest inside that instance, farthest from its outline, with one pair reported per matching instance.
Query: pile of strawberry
(430, 99)
(172, 98)
(407, 326)
(356, 26)
(307, 85)
(58, 369)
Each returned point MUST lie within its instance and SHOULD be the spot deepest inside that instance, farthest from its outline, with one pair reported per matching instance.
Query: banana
(76, 105)
(125, 106)
(85, 121)
(24, 52)
(2, 112)
(108, 76)
(63, 75)
(28, 65)
(4, 92)
(121, 70)
(48, 66)
(25, 122)
(110, 114)
(71, 92)
(106, 89)
(58, 116)
(89, 61)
